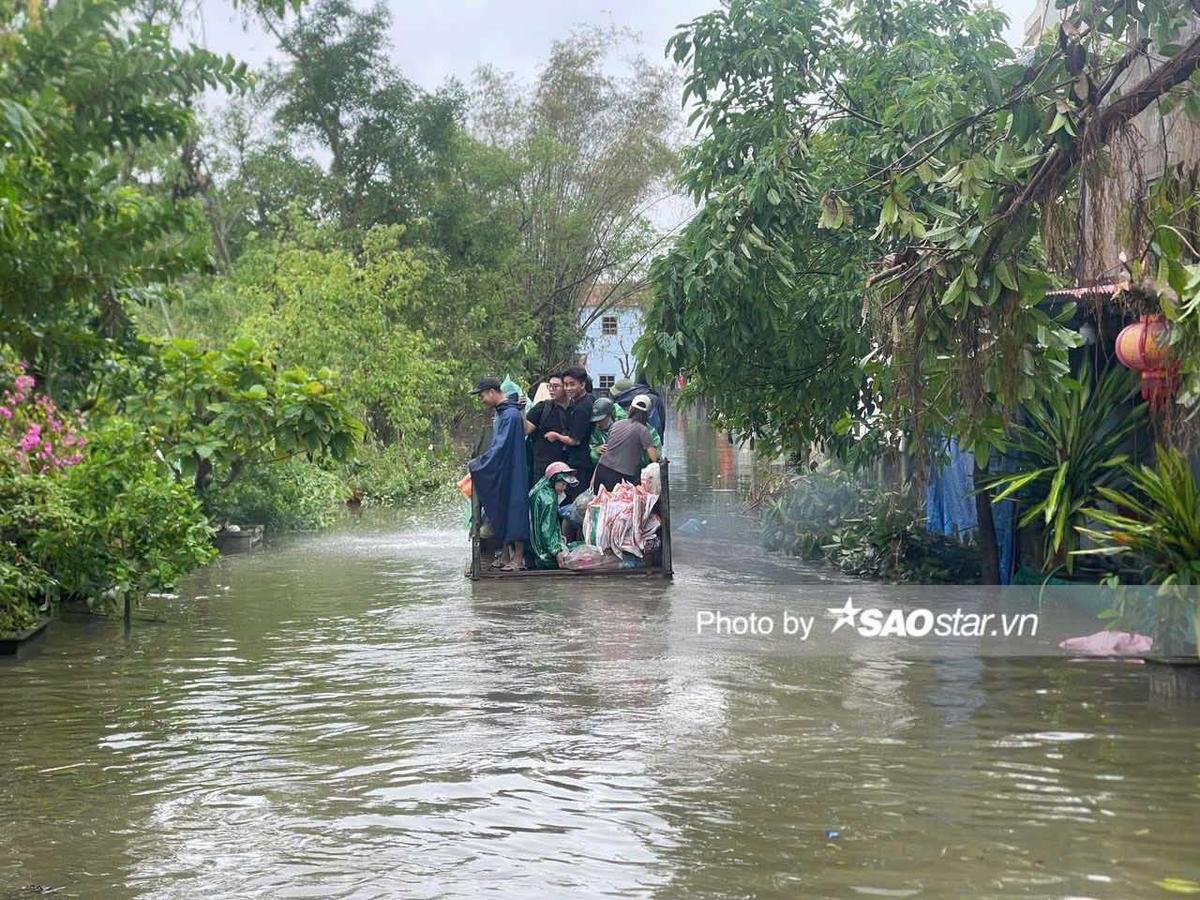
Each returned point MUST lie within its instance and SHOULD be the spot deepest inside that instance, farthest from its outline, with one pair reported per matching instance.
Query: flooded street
(344, 715)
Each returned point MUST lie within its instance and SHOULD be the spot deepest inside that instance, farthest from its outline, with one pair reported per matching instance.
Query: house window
(607, 381)
(608, 326)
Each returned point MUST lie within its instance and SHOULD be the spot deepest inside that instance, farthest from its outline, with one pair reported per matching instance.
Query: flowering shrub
(42, 437)
(99, 526)
(115, 525)
(33, 512)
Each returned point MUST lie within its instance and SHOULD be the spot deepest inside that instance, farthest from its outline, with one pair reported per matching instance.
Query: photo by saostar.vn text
(869, 621)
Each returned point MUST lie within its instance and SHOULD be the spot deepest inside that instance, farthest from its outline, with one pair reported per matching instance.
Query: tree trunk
(989, 549)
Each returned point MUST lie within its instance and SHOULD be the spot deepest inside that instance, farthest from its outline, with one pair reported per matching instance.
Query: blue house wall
(609, 357)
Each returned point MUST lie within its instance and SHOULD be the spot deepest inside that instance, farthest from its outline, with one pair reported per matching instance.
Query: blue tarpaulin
(950, 506)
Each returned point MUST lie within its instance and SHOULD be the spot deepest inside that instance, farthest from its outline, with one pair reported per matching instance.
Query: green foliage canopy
(82, 236)
(876, 179)
(212, 413)
(387, 139)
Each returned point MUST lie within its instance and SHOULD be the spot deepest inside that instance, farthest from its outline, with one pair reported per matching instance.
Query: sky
(437, 39)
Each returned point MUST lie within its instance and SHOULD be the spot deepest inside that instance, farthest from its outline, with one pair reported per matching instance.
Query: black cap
(486, 384)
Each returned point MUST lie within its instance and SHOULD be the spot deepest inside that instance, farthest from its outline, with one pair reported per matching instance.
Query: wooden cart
(657, 563)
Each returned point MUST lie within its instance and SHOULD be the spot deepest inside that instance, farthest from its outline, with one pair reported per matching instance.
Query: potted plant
(1157, 522)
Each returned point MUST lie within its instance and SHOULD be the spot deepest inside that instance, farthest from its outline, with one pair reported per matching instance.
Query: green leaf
(1005, 274)
(1178, 885)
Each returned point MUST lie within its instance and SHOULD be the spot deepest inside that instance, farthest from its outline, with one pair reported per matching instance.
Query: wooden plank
(571, 573)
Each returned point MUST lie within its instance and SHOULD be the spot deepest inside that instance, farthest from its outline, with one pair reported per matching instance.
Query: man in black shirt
(548, 417)
(579, 428)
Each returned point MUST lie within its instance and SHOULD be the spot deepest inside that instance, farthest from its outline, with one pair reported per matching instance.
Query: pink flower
(24, 383)
(32, 438)
(5, 412)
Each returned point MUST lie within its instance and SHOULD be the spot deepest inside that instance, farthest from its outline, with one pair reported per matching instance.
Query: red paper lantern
(1143, 347)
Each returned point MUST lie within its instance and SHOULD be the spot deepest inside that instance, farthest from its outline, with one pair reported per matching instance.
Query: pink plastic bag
(1109, 643)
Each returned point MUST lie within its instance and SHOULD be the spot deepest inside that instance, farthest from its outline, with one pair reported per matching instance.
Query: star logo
(846, 615)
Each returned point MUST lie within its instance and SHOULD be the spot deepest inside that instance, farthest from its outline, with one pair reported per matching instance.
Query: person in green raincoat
(604, 414)
(545, 521)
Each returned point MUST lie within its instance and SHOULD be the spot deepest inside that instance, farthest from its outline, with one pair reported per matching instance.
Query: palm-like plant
(1070, 449)
(1160, 527)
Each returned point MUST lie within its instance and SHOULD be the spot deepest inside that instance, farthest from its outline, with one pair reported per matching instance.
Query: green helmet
(602, 409)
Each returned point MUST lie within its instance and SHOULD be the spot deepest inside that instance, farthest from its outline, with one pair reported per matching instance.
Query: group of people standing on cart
(566, 442)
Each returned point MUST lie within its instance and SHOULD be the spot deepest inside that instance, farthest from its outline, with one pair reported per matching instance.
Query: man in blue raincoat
(500, 474)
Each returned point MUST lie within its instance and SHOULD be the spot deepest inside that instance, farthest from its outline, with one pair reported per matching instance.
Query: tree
(387, 140)
(760, 302)
(258, 180)
(591, 155)
(911, 130)
(84, 234)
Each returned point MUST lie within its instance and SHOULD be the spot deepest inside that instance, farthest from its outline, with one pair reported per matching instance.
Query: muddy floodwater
(344, 715)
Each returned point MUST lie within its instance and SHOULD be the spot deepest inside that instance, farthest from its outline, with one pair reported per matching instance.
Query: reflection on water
(343, 715)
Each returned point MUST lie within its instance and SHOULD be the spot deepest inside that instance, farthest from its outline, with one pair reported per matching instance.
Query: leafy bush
(405, 332)
(889, 541)
(136, 528)
(215, 412)
(117, 524)
(801, 520)
(828, 514)
(33, 513)
(37, 443)
(295, 495)
(391, 474)
(1158, 523)
(36, 434)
